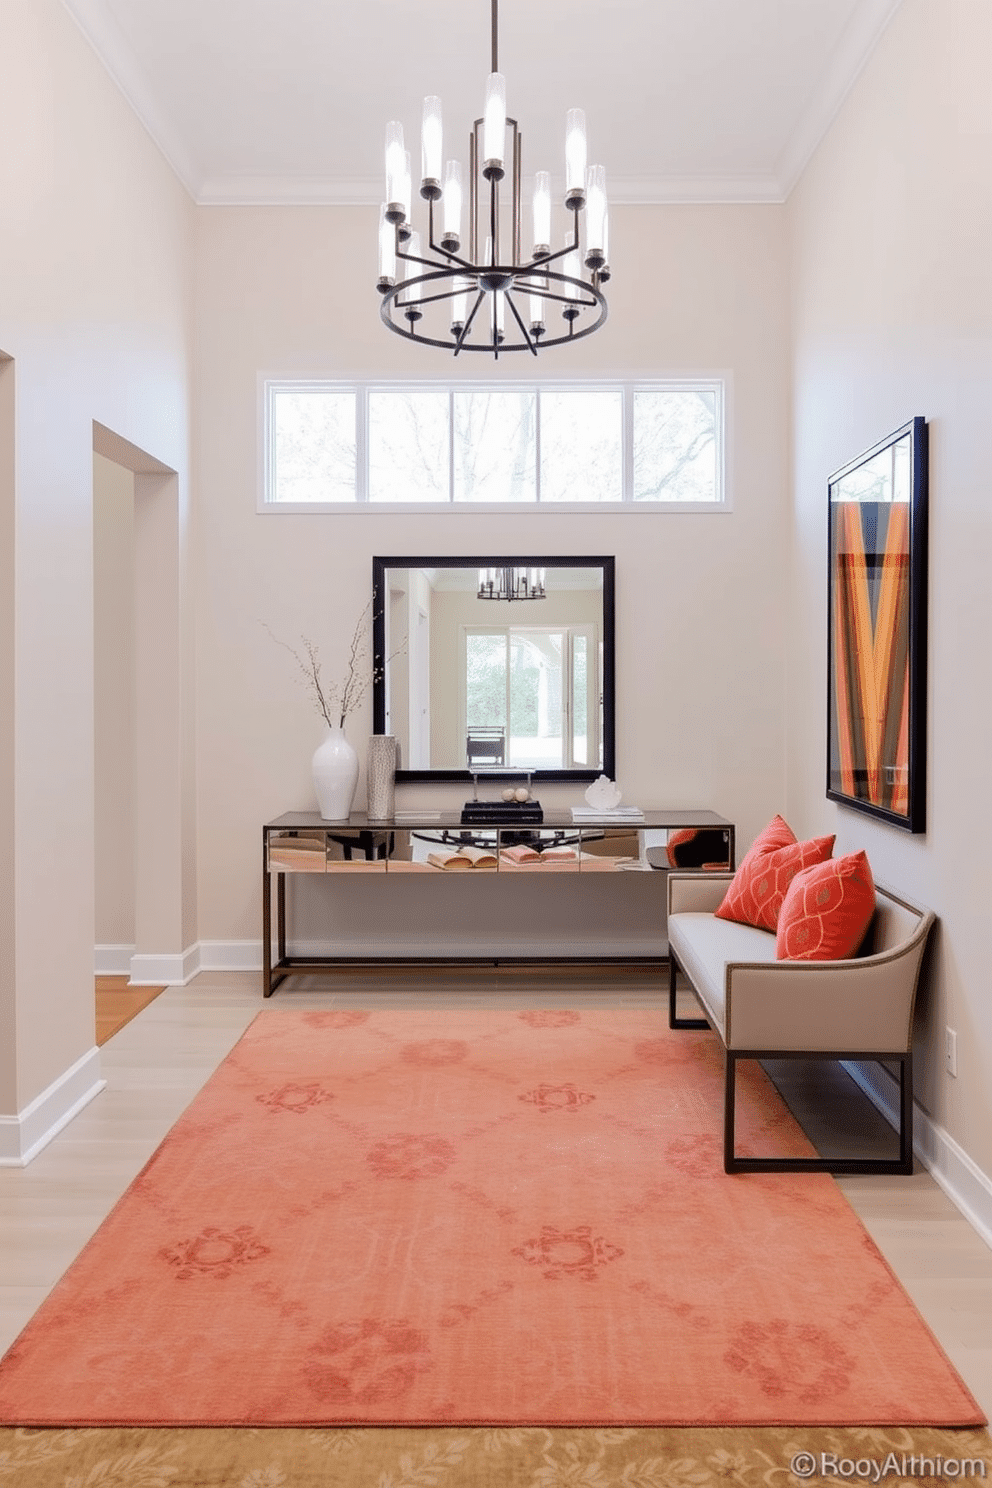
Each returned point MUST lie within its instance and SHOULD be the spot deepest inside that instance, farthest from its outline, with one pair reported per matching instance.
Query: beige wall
(95, 269)
(891, 230)
(113, 701)
(700, 664)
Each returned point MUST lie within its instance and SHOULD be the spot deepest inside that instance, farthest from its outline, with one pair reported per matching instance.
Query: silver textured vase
(380, 776)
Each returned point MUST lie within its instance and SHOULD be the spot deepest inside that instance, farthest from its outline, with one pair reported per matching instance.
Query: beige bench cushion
(704, 946)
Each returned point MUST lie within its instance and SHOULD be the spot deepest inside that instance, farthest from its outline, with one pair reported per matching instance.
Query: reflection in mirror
(498, 665)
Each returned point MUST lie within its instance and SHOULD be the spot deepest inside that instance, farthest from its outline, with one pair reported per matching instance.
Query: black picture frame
(607, 567)
(877, 629)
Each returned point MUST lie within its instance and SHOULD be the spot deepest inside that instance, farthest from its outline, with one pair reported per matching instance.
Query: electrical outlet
(951, 1051)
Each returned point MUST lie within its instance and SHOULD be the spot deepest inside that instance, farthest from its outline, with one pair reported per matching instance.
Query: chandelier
(511, 583)
(491, 299)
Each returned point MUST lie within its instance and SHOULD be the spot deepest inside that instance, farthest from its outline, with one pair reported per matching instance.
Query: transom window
(330, 445)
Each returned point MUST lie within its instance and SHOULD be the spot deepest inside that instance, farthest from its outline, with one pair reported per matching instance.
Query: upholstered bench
(764, 1008)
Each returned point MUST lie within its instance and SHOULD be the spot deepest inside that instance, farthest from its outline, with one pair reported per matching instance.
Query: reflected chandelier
(465, 301)
(511, 583)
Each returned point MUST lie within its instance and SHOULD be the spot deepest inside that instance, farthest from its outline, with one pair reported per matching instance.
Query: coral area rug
(477, 1217)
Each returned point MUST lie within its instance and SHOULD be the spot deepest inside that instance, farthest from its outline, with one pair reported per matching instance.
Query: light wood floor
(117, 1002)
(158, 1061)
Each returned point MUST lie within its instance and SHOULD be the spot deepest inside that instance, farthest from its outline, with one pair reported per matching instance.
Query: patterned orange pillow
(760, 883)
(826, 911)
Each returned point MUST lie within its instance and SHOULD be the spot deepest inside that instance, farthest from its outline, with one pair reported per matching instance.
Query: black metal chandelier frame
(405, 300)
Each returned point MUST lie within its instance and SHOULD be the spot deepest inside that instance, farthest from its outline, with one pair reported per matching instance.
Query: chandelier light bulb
(459, 308)
(452, 207)
(387, 251)
(571, 265)
(536, 307)
(430, 149)
(494, 126)
(395, 156)
(499, 314)
(595, 217)
(575, 157)
(542, 214)
(412, 271)
(604, 272)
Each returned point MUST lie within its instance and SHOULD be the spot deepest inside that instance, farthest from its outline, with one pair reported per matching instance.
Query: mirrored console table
(416, 845)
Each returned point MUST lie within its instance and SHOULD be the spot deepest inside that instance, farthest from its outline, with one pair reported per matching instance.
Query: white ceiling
(287, 100)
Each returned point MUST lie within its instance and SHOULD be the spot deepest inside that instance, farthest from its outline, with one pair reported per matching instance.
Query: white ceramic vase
(335, 775)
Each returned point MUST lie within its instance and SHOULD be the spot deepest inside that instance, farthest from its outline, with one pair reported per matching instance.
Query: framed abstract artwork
(876, 630)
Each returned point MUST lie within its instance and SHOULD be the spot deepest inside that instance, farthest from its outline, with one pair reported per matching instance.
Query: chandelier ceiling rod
(551, 280)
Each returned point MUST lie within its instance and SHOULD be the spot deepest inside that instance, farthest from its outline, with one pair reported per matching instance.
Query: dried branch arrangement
(336, 700)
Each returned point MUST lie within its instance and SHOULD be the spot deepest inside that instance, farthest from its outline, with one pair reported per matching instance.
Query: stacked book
(615, 813)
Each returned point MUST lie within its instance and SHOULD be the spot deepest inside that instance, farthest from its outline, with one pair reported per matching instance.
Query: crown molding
(323, 191)
(107, 40)
(849, 59)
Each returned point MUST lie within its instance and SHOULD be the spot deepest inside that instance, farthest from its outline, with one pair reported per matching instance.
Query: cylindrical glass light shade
(595, 216)
(395, 156)
(459, 315)
(452, 205)
(604, 273)
(430, 141)
(542, 213)
(499, 313)
(411, 270)
(571, 265)
(387, 249)
(535, 305)
(494, 121)
(575, 153)
(405, 186)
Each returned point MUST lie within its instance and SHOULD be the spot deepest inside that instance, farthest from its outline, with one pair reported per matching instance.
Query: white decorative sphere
(509, 794)
(522, 793)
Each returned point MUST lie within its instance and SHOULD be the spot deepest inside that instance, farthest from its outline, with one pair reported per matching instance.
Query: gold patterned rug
(480, 1457)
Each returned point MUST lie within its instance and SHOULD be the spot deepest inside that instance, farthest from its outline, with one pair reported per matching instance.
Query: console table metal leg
(281, 913)
(266, 921)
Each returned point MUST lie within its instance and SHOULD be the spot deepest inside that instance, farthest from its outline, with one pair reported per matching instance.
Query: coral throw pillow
(826, 911)
(760, 883)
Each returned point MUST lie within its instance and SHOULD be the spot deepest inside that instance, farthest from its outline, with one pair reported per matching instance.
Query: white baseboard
(230, 955)
(112, 960)
(963, 1181)
(171, 970)
(23, 1136)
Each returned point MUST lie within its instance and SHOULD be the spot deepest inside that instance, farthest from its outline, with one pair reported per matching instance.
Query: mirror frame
(607, 564)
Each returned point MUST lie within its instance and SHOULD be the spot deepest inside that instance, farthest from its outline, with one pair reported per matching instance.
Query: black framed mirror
(495, 665)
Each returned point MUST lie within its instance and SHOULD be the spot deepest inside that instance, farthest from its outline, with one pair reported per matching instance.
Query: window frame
(271, 384)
